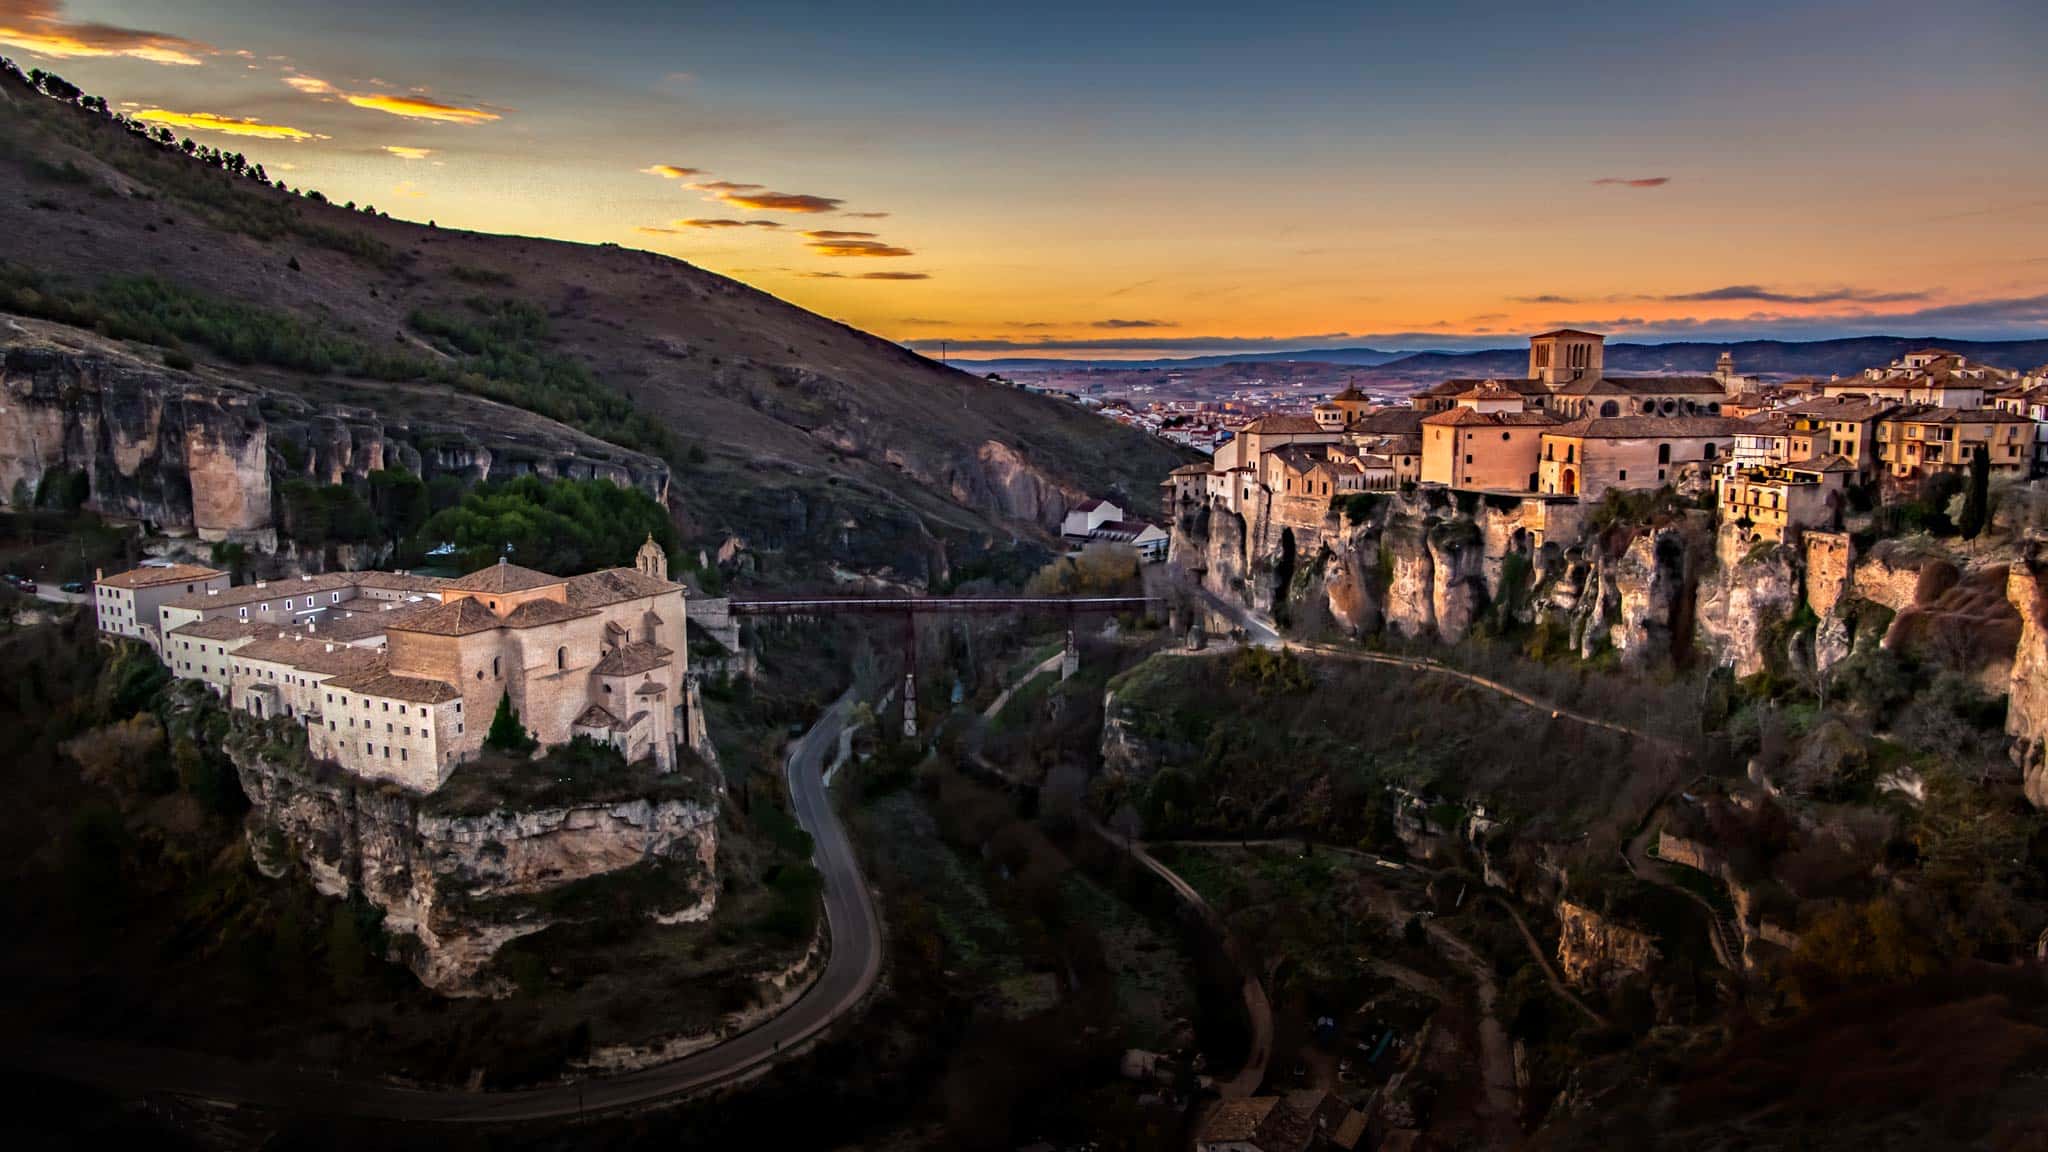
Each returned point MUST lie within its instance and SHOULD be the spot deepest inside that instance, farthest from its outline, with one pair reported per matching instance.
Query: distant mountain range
(1766, 357)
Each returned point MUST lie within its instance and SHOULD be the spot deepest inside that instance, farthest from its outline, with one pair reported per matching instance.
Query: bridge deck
(824, 605)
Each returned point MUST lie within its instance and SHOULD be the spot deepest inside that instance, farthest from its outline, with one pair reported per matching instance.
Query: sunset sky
(1169, 178)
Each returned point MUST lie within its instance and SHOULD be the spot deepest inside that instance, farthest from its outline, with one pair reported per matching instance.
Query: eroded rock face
(201, 455)
(1002, 479)
(1742, 601)
(1593, 950)
(154, 447)
(452, 882)
(2026, 715)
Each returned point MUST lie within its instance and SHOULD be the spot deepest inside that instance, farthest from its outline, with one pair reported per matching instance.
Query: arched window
(1610, 409)
(561, 658)
(1710, 450)
(494, 666)
(1663, 453)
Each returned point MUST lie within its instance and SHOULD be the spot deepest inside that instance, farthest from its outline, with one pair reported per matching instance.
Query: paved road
(854, 963)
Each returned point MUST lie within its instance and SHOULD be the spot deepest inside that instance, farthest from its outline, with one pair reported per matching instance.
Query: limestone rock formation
(459, 884)
(1594, 950)
(2026, 716)
(1742, 602)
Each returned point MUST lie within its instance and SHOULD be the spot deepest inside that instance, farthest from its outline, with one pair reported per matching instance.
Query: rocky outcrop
(202, 455)
(1593, 950)
(1638, 599)
(460, 885)
(1743, 603)
(2026, 715)
(1001, 478)
(154, 446)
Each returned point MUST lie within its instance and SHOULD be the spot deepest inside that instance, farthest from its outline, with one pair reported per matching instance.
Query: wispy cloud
(672, 171)
(1762, 295)
(1634, 181)
(857, 248)
(761, 199)
(408, 152)
(1133, 324)
(415, 107)
(1545, 299)
(225, 125)
(839, 234)
(865, 215)
(866, 275)
(39, 27)
(411, 105)
(726, 223)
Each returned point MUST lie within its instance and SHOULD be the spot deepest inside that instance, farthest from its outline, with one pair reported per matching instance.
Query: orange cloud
(857, 248)
(672, 171)
(1634, 181)
(408, 152)
(39, 26)
(758, 198)
(412, 107)
(866, 276)
(225, 125)
(420, 108)
(865, 215)
(836, 234)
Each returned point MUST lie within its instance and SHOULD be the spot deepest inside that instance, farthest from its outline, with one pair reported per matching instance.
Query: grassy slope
(782, 400)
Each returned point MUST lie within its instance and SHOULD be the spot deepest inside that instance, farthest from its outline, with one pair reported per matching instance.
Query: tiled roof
(649, 688)
(612, 585)
(537, 612)
(1960, 416)
(311, 654)
(1568, 332)
(266, 590)
(456, 618)
(222, 628)
(632, 659)
(1675, 427)
(379, 682)
(1841, 408)
(156, 577)
(595, 716)
(502, 577)
(400, 581)
(1283, 425)
(1645, 386)
(1389, 420)
(1489, 390)
(346, 626)
(1471, 418)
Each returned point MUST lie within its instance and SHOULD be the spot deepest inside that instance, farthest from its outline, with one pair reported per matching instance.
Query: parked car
(12, 579)
(76, 588)
(28, 586)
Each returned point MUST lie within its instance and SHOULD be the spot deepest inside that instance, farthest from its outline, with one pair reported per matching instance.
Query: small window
(334, 597)
(244, 612)
(1624, 474)
(263, 607)
(561, 658)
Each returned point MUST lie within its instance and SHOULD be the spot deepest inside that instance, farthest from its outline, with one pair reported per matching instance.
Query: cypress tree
(507, 734)
(1977, 498)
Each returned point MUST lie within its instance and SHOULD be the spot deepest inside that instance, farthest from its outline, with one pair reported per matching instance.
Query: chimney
(99, 574)
(213, 591)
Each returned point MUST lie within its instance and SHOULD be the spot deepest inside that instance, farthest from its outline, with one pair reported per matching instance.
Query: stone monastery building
(397, 677)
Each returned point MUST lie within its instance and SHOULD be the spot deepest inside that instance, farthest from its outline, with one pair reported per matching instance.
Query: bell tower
(651, 560)
(1560, 357)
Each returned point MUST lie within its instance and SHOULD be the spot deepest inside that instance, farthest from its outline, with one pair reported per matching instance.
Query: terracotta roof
(1190, 470)
(400, 581)
(1283, 425)
(1468, 417)
(1389, 420)
(379, 682)
(311, 654)
(265, 590)
(222, 628)
(1822, 464)
(156, 577)
(1567, 332)
(595, 716)
(1459, 384)
(1624, 427)
(1489, 390)
(537, 612)
(1238, 1120)
(345, 625)
(1841, 408)
(455, 618)
(1960, 416)
(649, 688)
(632, 659)
(612, 585)
(502, 577)
(1086, 506)
(1644, 386)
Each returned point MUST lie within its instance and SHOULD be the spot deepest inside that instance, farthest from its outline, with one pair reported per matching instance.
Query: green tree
(1977, 497)
(507, 734)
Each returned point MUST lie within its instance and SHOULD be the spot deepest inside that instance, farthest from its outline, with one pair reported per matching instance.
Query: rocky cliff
(1595, 950)
(201, 453)
(2026, 716)
(460, 885)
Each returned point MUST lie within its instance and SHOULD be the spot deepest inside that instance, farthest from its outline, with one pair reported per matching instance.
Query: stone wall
(1592, 950)
(1830, 564)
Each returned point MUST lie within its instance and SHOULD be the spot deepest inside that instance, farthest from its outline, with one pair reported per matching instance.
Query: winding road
(854, 962)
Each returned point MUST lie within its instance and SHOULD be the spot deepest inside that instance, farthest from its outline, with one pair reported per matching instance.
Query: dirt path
(1049, 664)
(1257, 1008)
(1720, 933)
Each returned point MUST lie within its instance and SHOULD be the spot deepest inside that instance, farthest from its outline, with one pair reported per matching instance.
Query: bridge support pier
(1070, 660)
(910, 703)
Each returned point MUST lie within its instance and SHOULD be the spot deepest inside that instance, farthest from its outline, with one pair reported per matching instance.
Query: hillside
(793, 439)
